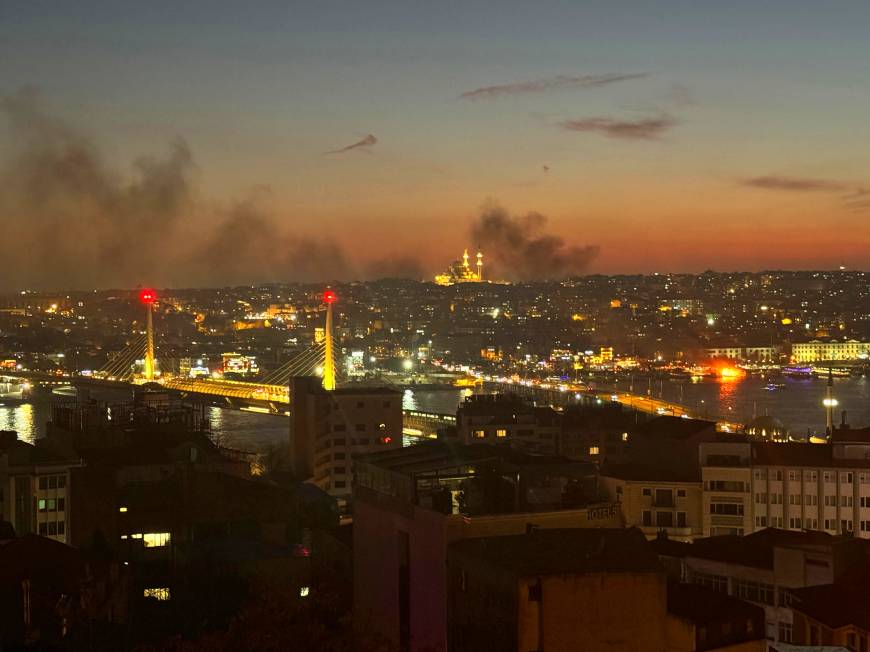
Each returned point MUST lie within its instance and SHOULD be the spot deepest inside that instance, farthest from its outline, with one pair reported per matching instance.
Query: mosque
(462, 271)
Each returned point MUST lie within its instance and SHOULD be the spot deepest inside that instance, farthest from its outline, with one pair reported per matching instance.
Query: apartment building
(749, 486)
(329, 428)
(507, 418)
(765, 568)
(656, 501)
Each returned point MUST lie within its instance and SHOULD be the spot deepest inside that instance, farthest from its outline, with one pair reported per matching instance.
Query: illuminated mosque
(462, 272)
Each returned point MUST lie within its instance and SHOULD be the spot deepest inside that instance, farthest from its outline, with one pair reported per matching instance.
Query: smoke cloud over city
(69, 220)
(522, 250)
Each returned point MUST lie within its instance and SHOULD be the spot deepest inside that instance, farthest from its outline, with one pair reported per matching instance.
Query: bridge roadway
(274, 398)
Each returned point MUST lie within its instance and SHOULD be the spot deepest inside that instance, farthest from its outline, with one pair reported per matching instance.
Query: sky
(202, 143)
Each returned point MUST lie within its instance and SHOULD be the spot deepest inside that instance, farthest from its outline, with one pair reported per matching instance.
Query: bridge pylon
(329, 298)
(148, 296)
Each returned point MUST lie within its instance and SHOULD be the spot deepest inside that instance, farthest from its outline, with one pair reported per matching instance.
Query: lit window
(501, 432)
(122, 509)
(159, 593)
(304, 591)
(155, 539)
(625, 436)
(479, 434)
(593, 450)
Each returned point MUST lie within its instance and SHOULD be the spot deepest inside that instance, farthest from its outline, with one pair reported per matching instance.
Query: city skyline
(348, 142)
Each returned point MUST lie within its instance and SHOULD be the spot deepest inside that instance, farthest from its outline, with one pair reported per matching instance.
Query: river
(798, 405)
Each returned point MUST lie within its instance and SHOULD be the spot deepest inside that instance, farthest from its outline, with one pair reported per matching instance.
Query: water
(798, 405)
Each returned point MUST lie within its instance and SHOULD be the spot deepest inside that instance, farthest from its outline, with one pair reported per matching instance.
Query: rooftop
(704, 605)
(801, 454)
(650, 473)
(672, 427)
(559, 551)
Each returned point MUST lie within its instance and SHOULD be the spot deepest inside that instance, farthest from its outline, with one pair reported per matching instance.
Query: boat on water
(772, 387)
(798, 372)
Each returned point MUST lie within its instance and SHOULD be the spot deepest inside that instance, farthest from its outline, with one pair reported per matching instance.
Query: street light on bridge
(148, 296)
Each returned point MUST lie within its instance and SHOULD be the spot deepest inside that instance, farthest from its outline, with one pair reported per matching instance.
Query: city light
(830, 402)
(147, 296)
(329, 296)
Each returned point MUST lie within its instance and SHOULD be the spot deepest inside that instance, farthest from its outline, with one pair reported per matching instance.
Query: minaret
(329, 297)
(479, 265)
(148, 297)
(465, 259)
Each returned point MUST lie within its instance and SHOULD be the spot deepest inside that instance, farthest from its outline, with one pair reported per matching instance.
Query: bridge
(271, 394)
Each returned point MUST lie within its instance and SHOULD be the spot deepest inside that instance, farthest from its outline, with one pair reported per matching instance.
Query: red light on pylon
(147, 296)
(330, 296)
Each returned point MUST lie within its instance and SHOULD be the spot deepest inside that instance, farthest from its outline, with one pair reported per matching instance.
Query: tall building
(328, 429)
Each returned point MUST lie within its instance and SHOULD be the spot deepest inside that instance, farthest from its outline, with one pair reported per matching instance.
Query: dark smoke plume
(521, 249)
(398, 267)
(70, 221)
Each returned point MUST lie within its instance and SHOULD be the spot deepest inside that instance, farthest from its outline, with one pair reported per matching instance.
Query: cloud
(548, 84)
(794, 184)
(365, 143)
(646, 129)
(522, 250)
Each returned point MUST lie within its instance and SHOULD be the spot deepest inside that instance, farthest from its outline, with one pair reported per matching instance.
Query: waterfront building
(829, 350)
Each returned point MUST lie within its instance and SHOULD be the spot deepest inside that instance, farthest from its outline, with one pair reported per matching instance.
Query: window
(681, 493)
(61, 527)
(760, 474)
(479, 434)
(830, 501)
(794, 523)
(755, 591)
(664, 519)
(794, 499)
(864, 478)
(625, 436)
(339, 484)
(811, 499)
(155, 539)
(61, 504)
(159, 593)
(728, 509)
(339, 427)
(593, 450)
(776, 474)
(42, 504)
(811, 476)
(785, 632)
(845, 525)
(865, 526)
(794, 476)
(52, 529)
(43, 529)
(829, 477)
(681, 519)
(715, 582)
(304, 591)
(646, 491)
(845, 501)
(831, 524)
(760, 521)
(501, 432)
(43, 482)
(647, 518)
(339, 456)
(339, 470)
(52, 482)
(761, 498)
(846, 477)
